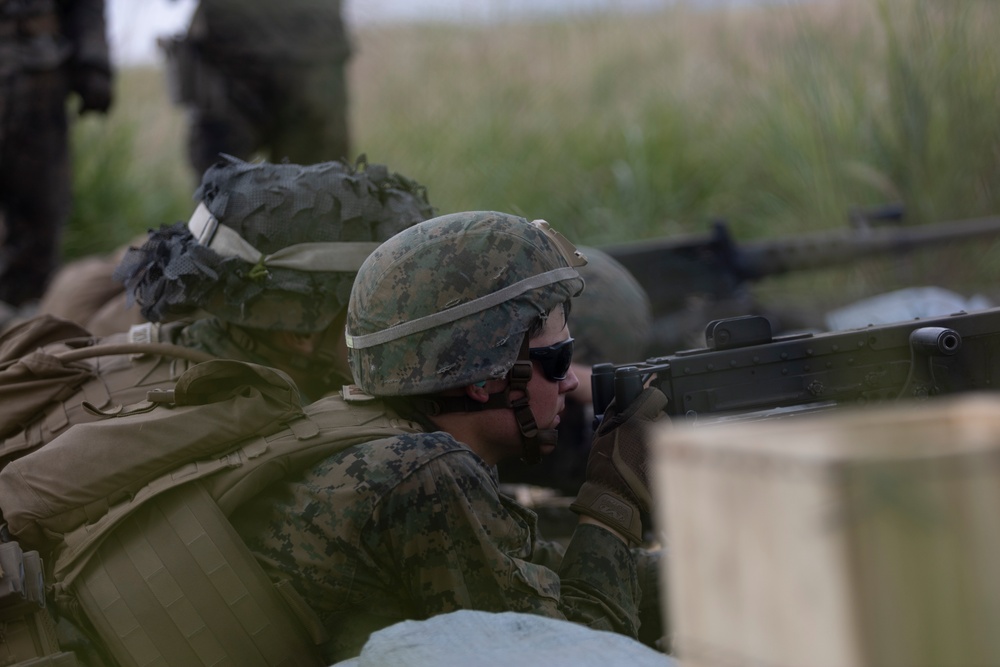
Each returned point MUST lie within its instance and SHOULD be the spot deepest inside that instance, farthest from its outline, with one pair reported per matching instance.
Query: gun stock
(745, 370)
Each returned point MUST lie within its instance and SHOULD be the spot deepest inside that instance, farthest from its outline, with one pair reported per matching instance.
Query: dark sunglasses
(554, 359)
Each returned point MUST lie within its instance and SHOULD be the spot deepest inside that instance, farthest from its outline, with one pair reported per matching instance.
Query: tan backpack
(29, 379)
(131, 515)
(42, 364)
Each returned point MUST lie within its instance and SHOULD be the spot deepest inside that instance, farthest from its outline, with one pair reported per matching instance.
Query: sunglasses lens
(554, 359)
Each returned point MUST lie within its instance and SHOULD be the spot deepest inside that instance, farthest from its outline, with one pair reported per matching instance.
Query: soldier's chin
(547, 448)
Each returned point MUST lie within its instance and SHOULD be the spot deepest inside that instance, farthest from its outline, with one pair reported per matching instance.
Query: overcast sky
(133, 26)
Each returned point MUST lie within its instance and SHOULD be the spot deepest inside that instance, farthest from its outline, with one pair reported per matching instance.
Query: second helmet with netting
(447, 302)
(272, 246)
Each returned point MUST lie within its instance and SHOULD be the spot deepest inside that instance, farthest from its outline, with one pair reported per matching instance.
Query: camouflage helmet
(446, 303)
(271, 246)
(613, 318)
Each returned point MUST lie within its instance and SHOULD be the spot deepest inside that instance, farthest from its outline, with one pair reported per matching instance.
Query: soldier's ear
(477, 392)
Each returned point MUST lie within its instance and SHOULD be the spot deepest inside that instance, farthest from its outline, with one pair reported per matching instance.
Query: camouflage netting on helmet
(438, 269)
(271, 206)
(613, 319)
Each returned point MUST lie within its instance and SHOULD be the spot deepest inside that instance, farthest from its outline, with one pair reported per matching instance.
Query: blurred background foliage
(779, 118)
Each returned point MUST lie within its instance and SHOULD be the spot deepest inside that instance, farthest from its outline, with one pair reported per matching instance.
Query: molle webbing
(231, 476)
(175, 585)
(27, 630)
(159, 572)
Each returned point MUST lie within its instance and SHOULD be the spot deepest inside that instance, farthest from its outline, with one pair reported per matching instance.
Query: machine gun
(713, 269)
(744, 370)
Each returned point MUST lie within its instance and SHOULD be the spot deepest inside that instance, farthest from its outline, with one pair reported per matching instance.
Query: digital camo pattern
(272, 206)
(613, 318)
(440, 264)
(413, 526)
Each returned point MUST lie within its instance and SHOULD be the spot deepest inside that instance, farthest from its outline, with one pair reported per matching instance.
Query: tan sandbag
(81, 288)
(848, 538)
(114, 316)
(85, 291)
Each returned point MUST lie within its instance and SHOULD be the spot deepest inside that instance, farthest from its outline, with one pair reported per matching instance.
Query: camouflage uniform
(268, 77)
(273, 207)
(414, 525)
(48, 50)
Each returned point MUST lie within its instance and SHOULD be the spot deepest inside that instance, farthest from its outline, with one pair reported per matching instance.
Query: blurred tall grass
(778, 118)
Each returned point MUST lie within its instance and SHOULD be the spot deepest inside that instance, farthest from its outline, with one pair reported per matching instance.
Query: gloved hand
(93, 85)
(617, 486)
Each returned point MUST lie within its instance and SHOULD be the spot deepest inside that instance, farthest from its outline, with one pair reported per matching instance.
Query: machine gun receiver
(745, 369)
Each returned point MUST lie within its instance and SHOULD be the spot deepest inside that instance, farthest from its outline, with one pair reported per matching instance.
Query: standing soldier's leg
(218, 131)
(35, 185)
(315, 124)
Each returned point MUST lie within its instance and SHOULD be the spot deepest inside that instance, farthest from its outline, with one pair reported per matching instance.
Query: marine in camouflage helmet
(613, 320)
(270, 255)
(448, 303)
(272, 246)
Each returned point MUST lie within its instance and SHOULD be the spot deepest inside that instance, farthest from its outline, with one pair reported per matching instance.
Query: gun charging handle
(628, 386)
(602, 386)
(925, 344)
(622, 384)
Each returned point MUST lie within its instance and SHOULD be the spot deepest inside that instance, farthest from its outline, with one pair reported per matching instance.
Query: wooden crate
(846, 538)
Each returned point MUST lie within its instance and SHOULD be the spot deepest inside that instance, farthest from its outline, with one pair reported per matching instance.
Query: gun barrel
(673, 269)
(773, 257)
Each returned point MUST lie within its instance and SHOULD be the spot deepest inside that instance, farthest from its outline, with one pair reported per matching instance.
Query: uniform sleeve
(655, 627)
(600, 581)
(460, 545)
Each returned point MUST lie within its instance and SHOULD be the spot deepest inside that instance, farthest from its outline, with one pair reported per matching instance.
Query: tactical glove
(93, 85)
(617, 486)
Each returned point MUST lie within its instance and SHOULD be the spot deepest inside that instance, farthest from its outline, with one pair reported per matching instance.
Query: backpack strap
(110, 349)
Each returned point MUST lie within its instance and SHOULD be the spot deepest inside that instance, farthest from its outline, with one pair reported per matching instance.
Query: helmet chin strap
(532, 437)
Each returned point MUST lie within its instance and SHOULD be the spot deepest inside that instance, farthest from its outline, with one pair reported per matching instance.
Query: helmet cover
(262, 249)
(446, 303)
